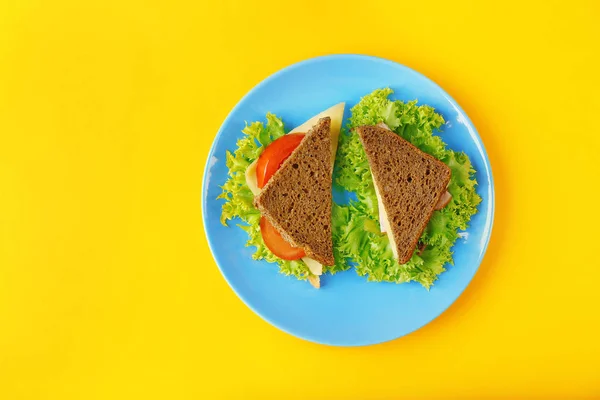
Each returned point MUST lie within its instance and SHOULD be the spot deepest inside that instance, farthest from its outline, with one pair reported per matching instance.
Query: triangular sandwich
(297, 199)
(409, 185)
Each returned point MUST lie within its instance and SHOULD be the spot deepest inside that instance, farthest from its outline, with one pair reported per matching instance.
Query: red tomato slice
(277, 244)
(274, 155)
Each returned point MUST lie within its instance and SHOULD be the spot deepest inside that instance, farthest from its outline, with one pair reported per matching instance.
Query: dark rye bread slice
(410, 183)
(297, 198)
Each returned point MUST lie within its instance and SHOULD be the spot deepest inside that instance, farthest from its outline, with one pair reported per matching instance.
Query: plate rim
(349, 56)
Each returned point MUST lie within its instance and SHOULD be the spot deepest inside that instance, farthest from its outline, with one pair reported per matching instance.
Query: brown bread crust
(297, 199)
(410, 183)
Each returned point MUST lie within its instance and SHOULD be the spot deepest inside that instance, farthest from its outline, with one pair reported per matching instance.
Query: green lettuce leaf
(358, 239)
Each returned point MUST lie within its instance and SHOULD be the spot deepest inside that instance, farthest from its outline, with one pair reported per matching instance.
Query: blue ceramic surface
(347, 310)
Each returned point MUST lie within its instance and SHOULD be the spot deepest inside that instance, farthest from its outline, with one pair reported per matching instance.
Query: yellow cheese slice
(251, 180)
(313, 265)
(336, 113)
(385, 223)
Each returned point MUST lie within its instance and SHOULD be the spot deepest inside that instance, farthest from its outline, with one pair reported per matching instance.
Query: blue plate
(347, 310)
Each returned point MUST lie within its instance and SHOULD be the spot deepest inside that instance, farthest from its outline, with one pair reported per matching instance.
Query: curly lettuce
(360, 240)
(357, 238)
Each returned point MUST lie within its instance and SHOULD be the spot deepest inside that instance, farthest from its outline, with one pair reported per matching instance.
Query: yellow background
(107, 286)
